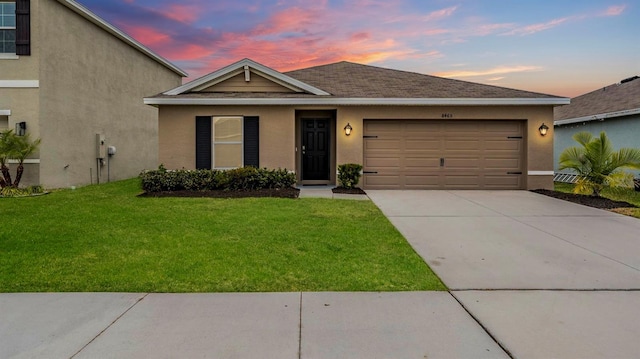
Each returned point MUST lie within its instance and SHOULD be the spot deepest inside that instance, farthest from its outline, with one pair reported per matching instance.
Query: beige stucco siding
(277, 131)
(238, 83)
(177, 133)
(92, 82)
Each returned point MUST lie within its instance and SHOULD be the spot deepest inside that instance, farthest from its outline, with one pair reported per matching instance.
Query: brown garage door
(423, 154)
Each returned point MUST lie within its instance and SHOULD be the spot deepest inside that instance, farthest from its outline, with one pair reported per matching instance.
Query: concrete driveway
(546, 278)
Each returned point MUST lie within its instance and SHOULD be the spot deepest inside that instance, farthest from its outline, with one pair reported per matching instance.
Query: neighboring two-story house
(77, 82)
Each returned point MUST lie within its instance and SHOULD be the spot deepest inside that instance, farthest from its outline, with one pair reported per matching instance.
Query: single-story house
(77, 82)
(408, 130)
(614, 109)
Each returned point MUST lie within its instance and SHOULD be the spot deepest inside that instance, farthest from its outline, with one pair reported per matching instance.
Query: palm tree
(597, 165)
(7, 141)
(23, 148)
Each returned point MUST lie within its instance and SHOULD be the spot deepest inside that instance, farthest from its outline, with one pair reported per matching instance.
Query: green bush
(349, 174)
(238, 179)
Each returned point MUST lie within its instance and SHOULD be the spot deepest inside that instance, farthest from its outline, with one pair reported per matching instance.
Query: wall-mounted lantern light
(543, 129)
(347, 129)
(21, 128)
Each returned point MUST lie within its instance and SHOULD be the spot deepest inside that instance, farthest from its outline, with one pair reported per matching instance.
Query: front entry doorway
(315, 147)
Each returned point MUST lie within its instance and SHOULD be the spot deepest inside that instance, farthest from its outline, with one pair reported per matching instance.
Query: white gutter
(19, 84)
(599, 117)
(332, 101)
(95, 19)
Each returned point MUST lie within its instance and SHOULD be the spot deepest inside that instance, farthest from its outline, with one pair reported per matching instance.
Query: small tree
(597, 165)
(18, 148)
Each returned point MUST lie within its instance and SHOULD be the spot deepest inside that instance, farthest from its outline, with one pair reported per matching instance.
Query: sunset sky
(561, 47)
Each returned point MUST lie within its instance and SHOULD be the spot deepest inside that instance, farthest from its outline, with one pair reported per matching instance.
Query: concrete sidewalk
(252, 325)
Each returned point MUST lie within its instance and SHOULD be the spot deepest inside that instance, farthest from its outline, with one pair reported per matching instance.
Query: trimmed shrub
(349, 175)
(238, 179)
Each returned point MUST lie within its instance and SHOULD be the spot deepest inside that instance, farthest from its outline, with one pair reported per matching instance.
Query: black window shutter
(252, 141)
(23, 28)
(203, 142)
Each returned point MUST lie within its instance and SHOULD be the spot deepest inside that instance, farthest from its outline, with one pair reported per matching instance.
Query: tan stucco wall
(91, 82)
(277, 131)
(177, 133)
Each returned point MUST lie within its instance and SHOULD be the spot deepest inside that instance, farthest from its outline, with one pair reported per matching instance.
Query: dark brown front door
(315, 149)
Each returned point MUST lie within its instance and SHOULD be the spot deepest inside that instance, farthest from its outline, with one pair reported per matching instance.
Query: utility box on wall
(101, 149)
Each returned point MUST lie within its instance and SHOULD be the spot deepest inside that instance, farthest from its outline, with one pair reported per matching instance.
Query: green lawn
(618, 194)
(104, 238)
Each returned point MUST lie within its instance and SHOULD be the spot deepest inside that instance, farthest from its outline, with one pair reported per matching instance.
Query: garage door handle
(370, 172)
(442, 162)
(514, 173)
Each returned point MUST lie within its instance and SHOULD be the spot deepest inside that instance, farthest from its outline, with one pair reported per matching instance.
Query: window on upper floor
(7, 27)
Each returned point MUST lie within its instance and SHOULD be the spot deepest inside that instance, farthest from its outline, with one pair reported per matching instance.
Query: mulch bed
(348, 190)
(276, 192)
(596, 202)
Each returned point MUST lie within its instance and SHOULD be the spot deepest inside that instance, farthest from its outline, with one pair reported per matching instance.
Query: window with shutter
(225, 142)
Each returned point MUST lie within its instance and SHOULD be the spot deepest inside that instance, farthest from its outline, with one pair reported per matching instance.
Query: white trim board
(598, 117)
(332, 101)
(5, 112)
(540, 173)
(19, 84)
(28, 161)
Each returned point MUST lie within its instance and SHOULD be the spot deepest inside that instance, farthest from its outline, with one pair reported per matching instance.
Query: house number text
(447, 115)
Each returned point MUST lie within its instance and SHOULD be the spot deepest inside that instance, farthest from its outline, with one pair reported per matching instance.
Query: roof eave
(598, 117)
(361, 101)
(95, 19)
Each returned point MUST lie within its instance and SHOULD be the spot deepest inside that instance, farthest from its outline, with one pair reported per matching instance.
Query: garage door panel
(503, 145)
(416, 144)
(417, 163)
(506, 164)
(503, 182)
(383, 144)
(462, 145)
(463, 163)
(406, 154)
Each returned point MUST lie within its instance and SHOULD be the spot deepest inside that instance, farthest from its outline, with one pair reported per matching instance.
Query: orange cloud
(495, 71)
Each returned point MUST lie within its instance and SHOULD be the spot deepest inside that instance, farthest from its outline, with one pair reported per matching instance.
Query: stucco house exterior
(614, 109)
(409, 130)
(74, 80)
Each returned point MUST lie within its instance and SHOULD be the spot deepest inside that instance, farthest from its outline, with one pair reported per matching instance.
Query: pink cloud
(500, 70)
(532, 29)
(150, 37)
(182, 13)
(614, 10)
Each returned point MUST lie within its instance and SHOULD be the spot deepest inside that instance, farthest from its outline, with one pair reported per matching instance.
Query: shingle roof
(350, 80)
(346, 83)
(613, 98)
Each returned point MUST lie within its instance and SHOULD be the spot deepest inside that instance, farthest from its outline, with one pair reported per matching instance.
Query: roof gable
(246, 67)
(619, 99)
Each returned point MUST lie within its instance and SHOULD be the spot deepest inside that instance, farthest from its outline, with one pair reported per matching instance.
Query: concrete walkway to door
(547, 278)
